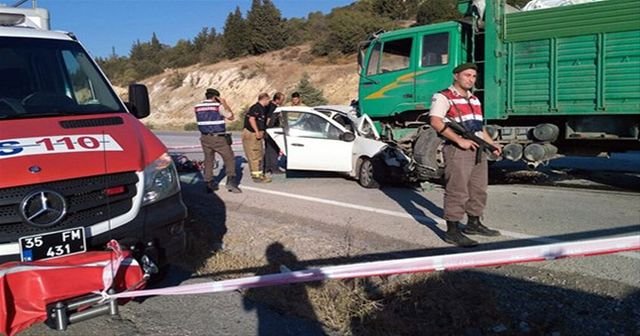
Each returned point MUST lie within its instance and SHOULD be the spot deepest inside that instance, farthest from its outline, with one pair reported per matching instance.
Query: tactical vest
(467, 112)
(209, 118)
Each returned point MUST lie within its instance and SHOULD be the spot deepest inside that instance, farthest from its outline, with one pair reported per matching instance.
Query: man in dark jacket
(271, 150)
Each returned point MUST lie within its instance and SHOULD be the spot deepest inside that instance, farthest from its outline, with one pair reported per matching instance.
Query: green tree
(394, 9)
(434, 11)
(266, 31)
(181, 55)
(214, 48)
(234, 40)
(201, 40)
(294, 31)
(311, 96)
(347, 28)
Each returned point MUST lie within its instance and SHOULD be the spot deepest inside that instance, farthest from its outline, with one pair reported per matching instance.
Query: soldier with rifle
(456, 114)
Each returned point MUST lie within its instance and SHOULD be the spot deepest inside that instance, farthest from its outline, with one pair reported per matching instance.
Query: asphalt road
(324, 214)
(520, 211)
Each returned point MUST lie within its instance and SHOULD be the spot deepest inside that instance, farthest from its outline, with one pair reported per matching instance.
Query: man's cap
(465, 66)
(213, 92)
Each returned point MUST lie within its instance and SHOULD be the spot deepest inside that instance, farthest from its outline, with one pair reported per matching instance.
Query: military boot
(475, 227)
(455, 237)
(232, 186)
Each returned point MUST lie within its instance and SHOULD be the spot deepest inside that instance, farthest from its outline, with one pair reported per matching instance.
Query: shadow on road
(484, 303)
(413, 202)
(576, 236)
(290, 298)
(207, 222)
(239, 160)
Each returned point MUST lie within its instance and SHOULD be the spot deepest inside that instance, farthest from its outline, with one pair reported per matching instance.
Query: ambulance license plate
(53, 244)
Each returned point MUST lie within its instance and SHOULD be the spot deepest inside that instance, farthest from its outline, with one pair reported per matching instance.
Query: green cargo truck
(555, 81)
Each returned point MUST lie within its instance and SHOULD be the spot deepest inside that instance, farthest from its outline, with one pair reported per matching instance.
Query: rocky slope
(174, 92)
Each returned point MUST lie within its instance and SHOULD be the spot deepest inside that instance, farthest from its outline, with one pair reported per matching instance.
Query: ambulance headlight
(160, 180)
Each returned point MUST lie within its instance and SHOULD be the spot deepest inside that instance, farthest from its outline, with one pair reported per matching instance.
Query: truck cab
(77, 167)
(400, 70)
(552, 82)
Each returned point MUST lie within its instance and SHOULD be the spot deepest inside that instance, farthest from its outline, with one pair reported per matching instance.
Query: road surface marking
(439, 221)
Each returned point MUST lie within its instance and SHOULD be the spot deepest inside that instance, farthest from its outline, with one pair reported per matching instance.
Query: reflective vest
(209, 118)
(465, 111)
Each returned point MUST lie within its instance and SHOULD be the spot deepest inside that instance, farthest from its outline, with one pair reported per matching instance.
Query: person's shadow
(288, 298)
(413, 202)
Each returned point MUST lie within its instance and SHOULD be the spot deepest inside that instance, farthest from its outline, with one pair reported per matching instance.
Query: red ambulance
(77, 168)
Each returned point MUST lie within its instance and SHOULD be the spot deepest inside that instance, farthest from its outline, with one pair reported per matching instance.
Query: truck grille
(87, 201)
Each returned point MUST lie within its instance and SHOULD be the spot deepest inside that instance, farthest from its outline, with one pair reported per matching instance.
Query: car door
(313, 142)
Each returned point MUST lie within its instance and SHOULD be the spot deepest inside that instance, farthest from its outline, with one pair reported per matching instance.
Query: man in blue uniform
(210, 115)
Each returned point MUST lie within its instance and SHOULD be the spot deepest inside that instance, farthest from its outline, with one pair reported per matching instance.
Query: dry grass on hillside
(174, 92)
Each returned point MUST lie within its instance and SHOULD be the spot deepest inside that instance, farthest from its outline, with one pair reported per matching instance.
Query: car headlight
(160, 180)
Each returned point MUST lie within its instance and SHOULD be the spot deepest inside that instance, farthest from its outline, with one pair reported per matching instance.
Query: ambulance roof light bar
(12, 19)
(24, 17)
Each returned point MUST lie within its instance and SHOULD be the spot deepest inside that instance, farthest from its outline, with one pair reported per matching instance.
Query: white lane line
(439, 221)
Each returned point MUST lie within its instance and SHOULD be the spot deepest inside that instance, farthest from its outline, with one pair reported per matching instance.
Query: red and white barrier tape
(410, 265)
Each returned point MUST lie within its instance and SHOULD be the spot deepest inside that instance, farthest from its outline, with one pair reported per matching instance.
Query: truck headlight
(160, 180)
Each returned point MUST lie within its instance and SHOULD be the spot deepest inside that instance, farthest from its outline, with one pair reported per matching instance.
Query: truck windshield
(50, 77)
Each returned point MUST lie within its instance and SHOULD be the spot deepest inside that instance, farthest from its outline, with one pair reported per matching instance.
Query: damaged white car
(331, 138)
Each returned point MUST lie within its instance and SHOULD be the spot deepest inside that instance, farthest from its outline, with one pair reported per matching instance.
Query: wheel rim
(366, 170)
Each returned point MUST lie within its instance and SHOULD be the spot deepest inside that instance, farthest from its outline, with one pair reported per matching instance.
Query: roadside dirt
(522, 300)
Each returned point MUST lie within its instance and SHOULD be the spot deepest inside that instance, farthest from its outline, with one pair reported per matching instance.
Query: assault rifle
(482, 144)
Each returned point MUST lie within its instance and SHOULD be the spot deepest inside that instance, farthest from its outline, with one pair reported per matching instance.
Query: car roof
(33, 33)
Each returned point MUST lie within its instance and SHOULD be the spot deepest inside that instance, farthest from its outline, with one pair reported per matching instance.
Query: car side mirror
(347, 136)
(139, 101)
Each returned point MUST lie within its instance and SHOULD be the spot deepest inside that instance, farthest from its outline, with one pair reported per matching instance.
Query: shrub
(176, 79)
(191, 126)
(311, 96)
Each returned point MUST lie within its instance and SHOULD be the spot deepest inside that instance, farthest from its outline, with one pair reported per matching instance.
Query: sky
(103, 24)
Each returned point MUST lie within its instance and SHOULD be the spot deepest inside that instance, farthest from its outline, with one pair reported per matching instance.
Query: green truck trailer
(555, 81)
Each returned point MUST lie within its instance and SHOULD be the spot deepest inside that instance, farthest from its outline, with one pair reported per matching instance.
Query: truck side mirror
(139, 101)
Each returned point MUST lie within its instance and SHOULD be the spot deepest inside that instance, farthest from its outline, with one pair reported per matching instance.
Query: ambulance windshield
(51, 77)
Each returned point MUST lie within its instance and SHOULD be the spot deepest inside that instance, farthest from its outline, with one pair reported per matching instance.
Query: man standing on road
(271, 149)
(210, 115)
(254, 125)
(465, 180)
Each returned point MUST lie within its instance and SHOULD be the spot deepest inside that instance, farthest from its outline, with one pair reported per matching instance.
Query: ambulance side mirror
(139, 101)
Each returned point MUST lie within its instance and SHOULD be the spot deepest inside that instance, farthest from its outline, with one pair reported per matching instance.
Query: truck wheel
(367, 174)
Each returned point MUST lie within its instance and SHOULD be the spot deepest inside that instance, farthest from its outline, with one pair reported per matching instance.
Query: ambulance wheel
(367, 173)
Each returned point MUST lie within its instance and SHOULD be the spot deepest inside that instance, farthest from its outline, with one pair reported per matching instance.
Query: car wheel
(367, 174)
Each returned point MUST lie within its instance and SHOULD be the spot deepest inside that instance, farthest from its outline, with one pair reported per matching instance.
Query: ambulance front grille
(87, 203)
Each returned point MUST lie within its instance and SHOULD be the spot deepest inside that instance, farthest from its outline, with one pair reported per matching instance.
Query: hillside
(174, 92)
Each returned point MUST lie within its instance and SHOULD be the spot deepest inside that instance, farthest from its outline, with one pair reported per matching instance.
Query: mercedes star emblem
(43, 208)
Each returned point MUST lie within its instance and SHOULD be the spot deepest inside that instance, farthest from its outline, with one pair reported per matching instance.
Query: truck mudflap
(32, 292)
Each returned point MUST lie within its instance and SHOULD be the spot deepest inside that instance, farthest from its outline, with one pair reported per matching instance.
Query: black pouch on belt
(228, 138)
